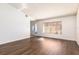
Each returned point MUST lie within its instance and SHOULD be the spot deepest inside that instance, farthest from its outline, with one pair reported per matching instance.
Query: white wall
(68, 28)
(13, 24)
(77, 39)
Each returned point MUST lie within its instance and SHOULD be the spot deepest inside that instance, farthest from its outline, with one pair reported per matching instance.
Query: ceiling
(46, 10)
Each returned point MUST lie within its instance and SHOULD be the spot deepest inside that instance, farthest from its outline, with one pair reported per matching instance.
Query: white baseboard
(14, 40)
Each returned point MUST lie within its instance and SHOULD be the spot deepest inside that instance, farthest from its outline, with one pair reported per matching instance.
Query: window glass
(52, 27)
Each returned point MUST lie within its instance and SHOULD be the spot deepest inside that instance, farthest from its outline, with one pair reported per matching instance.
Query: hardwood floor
(40, 46)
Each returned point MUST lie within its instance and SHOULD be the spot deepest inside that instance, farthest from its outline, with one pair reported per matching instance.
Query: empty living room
(39, 29)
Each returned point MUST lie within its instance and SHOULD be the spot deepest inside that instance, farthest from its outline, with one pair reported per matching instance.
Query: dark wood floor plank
(40, 46)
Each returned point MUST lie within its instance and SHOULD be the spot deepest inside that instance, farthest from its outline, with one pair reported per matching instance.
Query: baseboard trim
(56, 38)
(14, 41)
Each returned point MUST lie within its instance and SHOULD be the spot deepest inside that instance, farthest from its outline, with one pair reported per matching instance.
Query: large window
(52, 27)
(34, 28)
